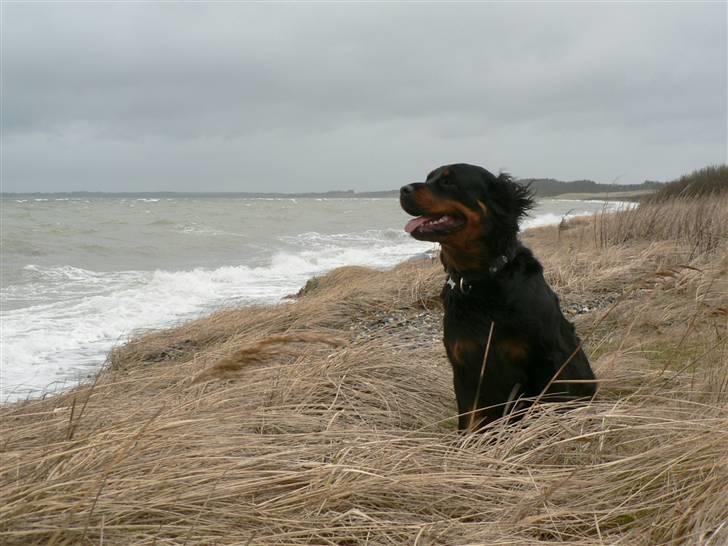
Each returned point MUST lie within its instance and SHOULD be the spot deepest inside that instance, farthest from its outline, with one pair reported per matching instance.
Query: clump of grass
(709, 181)
(699, 222)
(329, 420)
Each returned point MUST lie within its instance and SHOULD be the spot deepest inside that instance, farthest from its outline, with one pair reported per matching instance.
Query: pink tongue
(415, 223)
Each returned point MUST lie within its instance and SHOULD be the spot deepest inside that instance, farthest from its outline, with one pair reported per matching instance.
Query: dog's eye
(447, 183)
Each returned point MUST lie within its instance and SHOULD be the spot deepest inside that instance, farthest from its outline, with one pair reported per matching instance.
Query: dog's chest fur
(467, 326)
(507, 302)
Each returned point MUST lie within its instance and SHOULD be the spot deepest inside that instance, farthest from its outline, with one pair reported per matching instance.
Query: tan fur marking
(460, 349)
(432, 205)
(461, 250)
(513, 349)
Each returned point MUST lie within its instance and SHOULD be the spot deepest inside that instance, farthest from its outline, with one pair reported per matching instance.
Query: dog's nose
(409, 188)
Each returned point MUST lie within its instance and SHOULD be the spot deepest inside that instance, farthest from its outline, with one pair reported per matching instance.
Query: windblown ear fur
(517, 198)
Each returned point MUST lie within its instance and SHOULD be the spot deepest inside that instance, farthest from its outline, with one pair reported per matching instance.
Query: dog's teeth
(439, 220)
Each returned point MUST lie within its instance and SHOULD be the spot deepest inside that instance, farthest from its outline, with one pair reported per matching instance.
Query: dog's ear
(518, 199)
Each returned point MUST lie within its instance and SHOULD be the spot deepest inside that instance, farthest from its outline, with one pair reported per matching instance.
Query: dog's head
(466, 209)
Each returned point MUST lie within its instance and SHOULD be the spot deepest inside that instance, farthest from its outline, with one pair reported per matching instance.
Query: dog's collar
(464, 283)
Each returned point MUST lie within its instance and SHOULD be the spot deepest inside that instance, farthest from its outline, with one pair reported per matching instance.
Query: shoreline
(571, 308)
(331, 419)
(57, 371)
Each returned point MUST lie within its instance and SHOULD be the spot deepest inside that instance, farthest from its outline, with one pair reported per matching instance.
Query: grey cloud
(320, 96)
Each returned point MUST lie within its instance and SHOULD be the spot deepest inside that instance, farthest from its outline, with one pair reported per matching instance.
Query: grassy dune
(711, 180)
(329, 420)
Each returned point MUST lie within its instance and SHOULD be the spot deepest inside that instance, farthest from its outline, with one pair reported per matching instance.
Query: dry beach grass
(329, 419)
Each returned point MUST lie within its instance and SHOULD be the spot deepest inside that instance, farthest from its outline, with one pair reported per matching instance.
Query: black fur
(495, 280)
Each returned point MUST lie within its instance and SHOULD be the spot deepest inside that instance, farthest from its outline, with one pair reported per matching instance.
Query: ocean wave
(371, 236)
(43, 341)
(64, 272)
(63, 283)
(195, 228)
(550, 219)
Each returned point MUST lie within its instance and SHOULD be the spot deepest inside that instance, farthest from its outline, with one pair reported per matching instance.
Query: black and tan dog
(495, 296)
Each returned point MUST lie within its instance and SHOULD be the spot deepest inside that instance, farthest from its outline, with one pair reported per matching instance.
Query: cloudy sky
(233, 96)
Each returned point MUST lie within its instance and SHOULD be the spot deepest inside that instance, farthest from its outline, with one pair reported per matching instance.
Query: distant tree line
(709, 180)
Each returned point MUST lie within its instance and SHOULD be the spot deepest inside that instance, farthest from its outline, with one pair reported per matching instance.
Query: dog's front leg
(466, 383)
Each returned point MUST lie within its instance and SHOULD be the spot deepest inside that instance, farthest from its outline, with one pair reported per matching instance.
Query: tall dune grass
(708, 181)
(329, 420)
(697, 222)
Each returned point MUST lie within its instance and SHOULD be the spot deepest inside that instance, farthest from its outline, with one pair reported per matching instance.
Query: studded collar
(464, 283)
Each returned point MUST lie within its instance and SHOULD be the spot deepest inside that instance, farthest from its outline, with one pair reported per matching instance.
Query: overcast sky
(314, 97)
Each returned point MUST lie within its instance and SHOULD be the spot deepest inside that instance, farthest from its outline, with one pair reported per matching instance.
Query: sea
(80, 275)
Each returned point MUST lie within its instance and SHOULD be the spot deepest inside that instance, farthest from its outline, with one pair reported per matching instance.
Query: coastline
(336, 423)
(63, 313)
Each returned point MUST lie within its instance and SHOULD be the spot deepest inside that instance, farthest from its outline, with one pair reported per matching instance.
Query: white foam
(92, 311)
(583, 208)
(550, 219)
